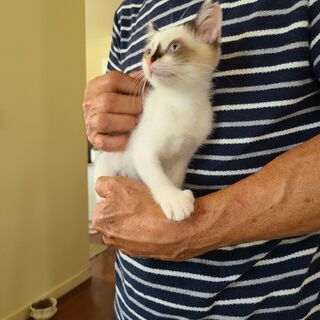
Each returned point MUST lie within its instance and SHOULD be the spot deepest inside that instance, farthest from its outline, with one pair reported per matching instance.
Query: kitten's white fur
(177, 115)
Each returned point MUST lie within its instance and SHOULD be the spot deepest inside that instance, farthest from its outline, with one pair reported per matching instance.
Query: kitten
(177, 115)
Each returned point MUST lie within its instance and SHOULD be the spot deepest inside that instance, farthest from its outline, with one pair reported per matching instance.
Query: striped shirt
(267, 100)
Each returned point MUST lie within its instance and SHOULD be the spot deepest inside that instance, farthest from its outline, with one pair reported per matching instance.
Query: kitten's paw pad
(178, 205)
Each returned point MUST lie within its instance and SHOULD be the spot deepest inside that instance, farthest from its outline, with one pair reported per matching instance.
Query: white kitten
(177, 115)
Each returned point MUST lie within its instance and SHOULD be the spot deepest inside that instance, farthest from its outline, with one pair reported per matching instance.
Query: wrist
(202, 232)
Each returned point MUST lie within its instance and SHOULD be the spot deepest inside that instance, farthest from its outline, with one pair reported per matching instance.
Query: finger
(108, 240)
(105, 123)
(118, 103)
(104, 186)
(113, 81)
(107, 187)
(99, 213)
(109, 143)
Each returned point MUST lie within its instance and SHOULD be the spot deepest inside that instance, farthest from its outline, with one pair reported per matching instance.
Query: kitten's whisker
(135, 83)
(138, 83)
(171, 14)
(185, 12)
(198, 64)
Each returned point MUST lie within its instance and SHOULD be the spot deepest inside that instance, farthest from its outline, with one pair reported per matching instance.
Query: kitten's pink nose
(149, 62)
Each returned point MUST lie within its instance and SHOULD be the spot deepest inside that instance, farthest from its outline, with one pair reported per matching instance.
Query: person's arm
(281, 200)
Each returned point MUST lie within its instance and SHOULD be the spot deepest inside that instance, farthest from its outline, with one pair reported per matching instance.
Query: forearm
(281, 200)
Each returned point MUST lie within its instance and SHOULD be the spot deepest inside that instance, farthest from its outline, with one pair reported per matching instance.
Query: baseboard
(56, 292)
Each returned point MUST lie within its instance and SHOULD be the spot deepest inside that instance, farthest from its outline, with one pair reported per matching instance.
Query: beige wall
(99, 21)
(43, 205)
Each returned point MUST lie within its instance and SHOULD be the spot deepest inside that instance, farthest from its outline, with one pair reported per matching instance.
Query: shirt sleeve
(314, 21)
(114, 61)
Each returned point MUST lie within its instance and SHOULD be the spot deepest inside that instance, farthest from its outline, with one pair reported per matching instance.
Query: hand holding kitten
(129, 219)
(112, 104)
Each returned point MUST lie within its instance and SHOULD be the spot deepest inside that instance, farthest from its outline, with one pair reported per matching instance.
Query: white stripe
(295, 255)
(222, 173)
(266, 32)
(161, 301)
(240, 124)
(116, 30)
(287, 308)
(266, 136)
(315, 257)
(245, 155)
(258, 243)
(259, 281)
(113, 53)
(118, 309)
(316, 61)
(244, 245)
(315, 41)
(113, 65)
(266, 13)
(291, 46)
(128, 308)
(129, 6)
(267, 69)
(141, 306)
(229, 263)
(133, 67)
(192, 293)
(278, 293)
(171, 273)
(315, 20)
(230, 5)
(267, 104)
(279, 85)
(133, 54)
(125, 17)
(266, 310)
(203, 187)
(314, 310)
(312, 2)
(298, 239)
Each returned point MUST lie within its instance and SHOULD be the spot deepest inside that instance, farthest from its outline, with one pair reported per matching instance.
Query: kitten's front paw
(178, 205)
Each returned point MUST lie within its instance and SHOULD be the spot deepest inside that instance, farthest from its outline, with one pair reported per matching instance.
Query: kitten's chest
(171, 114)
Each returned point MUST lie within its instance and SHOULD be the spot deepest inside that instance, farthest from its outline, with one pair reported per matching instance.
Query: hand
(130, 220)
(112, 104)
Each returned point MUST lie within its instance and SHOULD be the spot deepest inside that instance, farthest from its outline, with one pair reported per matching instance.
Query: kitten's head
(187, 53)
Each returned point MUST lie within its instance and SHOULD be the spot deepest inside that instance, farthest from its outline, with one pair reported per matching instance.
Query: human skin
(281, 200)
(112, 104)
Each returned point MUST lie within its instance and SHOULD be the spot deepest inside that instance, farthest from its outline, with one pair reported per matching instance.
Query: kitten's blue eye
(174, 47)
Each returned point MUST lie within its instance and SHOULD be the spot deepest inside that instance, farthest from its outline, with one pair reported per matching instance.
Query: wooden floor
(93, 300)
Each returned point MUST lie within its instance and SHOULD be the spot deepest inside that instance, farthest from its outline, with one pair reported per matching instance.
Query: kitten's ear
(208, 22)
(152, 29)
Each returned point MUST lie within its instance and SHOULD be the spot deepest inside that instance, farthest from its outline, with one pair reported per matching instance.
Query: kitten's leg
(177, 172)
(175, 203)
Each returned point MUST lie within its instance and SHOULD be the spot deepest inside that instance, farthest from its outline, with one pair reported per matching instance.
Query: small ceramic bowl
(43, 309)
